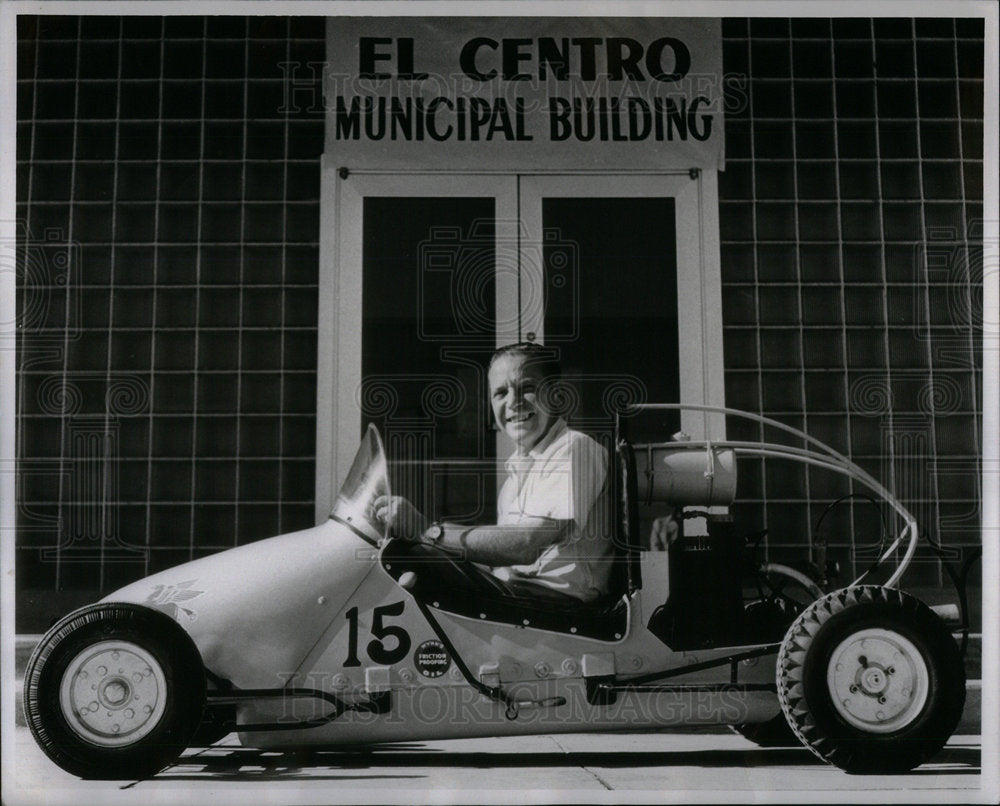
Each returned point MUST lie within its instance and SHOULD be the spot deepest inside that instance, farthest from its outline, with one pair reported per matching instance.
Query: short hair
(545, 359)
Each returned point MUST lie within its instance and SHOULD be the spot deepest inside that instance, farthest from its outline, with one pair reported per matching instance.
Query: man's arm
(503, 545)
(493, 545)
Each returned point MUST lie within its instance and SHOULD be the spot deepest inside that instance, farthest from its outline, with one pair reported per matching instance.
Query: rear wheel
(871, 680)
(114, 691)
(778, 595)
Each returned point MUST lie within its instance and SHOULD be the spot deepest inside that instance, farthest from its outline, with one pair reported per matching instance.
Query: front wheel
(114, 691)
(871, 680)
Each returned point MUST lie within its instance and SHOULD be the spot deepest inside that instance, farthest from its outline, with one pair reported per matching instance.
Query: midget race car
(336, 636)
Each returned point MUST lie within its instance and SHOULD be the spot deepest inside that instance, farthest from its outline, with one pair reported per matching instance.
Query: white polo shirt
(563, 477)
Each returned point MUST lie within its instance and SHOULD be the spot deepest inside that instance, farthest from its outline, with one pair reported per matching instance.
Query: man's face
(513, 395)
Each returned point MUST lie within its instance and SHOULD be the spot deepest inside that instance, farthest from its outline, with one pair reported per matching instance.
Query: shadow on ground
(392, 760)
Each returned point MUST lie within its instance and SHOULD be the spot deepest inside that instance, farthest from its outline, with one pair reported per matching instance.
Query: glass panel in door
(429, 319)
(610, 266)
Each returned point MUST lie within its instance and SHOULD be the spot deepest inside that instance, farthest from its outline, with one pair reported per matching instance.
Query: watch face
(435, 531)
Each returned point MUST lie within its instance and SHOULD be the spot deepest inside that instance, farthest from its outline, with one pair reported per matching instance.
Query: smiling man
(551, 535)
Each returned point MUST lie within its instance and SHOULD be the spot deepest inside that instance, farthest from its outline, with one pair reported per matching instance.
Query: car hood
(255, 611)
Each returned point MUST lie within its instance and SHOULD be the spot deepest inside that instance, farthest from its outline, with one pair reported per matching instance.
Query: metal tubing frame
(493, 693)
(238, 696)
(722, 660)
(824, 457)
(690, 688)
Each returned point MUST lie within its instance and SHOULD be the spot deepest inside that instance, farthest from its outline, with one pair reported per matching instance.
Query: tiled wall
(169, 187)
(850, 222)
(168, 192)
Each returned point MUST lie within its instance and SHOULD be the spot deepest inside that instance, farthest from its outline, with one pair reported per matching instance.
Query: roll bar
(822, 455)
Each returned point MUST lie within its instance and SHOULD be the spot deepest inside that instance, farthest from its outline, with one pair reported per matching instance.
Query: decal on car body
(377, 649)
(167, 597)
(431, 659)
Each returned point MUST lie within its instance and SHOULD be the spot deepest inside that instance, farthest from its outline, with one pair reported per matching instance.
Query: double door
(426, 275)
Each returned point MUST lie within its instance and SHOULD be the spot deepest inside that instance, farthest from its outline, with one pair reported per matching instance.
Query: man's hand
(403, 519)
(663, 533)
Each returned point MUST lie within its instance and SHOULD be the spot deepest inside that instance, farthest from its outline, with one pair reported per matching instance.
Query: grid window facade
(850, 214)
(168, 200)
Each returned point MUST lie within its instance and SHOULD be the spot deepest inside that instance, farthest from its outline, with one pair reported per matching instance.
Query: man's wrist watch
(433, 533)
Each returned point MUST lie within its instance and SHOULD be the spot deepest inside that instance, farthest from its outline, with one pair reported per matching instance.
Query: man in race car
(551, 537)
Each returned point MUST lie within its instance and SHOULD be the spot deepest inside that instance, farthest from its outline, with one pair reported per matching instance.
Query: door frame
(518, 198)
(338, 377)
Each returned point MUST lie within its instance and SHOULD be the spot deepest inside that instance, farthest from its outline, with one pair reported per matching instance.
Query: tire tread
(113, 618)
(791, 684)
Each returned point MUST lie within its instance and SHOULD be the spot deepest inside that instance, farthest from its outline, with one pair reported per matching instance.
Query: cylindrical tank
(685, 476)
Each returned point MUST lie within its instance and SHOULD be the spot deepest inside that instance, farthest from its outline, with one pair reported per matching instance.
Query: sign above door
(524, 93)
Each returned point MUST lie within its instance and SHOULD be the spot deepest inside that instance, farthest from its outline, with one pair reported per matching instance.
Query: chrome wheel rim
(113, 693)
(878, 680)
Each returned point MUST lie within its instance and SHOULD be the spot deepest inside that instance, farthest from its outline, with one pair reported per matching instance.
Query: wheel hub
(878, 680)
(113, 693)
(873, 680)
